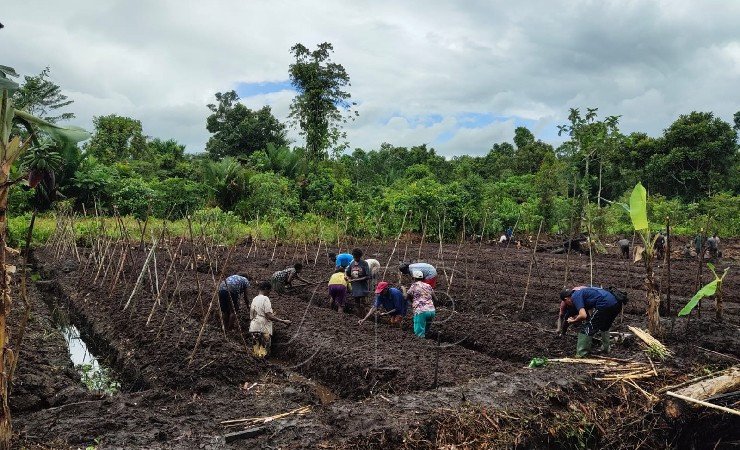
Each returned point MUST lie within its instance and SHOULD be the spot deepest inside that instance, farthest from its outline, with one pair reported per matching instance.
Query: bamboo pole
(531, 262)
(457, 255)
(668, 266)
(141, 276)
(423, 234)
(700, 258)
(395, 245)
(207, 315)
(570, 233)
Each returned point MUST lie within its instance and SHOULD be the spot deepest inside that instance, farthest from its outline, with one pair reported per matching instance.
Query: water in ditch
(96, 376)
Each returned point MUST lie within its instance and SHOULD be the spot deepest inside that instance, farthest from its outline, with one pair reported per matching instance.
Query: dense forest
(250, 171)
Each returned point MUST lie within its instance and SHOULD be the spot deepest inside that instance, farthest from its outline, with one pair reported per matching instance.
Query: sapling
(714, 287)
(638, 214)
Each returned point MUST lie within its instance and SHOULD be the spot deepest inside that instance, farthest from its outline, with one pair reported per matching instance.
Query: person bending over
(284, 278)
(391, 300)
(261, 319)
(595, 309)
(229, 291)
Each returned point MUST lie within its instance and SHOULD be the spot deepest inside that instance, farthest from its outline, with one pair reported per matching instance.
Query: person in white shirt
(262, 317)
(374, 267)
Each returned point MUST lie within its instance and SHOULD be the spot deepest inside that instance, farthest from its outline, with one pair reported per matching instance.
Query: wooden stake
(531, 262)
(141, 276)
(395, 245)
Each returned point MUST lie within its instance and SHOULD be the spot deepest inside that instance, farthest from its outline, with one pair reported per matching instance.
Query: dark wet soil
(367, 386)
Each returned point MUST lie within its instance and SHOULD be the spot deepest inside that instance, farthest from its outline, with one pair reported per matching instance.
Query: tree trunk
(718, 302)
(598, 198)
(703, 390)
(586, 188)
(653, 299)
(6, 354)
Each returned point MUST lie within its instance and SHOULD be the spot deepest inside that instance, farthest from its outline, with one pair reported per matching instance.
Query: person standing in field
(713, 246)
(699, 244)
(421, 295)
(604, 308)
(261, 318)
(659, 246)
(341, 260)
(338, 287)
(284, 278)
(359, 275)
(624, 247)
(391, 300)
(428, 270)
(229, 291)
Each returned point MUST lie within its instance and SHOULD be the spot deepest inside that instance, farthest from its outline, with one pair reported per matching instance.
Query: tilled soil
(368, 385)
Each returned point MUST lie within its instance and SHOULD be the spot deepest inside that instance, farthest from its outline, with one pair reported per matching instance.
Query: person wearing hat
(576, 304)
(341, 260)
(391, 300)
(428, 270)
(421, 295)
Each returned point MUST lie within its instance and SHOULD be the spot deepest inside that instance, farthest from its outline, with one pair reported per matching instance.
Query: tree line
(251, 170)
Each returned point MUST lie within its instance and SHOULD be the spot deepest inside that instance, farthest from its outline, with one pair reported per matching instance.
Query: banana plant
(13, 147)
(638, 215)
(714, 287)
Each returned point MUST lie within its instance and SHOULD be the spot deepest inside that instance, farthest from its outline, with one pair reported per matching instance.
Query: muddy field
(369, 386)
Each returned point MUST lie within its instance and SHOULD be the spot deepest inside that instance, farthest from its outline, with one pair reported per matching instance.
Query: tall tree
(322, 104)
(42, 97)
(239, 131)
(530, 153)
(699, 151)
(116, 138)
(590, 141)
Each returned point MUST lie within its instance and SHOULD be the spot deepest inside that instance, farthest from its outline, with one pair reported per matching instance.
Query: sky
(458, 76)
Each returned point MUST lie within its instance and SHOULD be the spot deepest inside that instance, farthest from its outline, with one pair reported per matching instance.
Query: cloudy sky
(457, 75)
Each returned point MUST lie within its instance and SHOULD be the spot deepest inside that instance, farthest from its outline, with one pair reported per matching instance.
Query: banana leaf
(638, 207)
(6, 83)
(708, 290)
(8, 71)
(57, 133)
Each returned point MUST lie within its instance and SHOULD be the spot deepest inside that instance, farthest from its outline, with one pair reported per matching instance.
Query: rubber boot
(583, 347)
(606, 344)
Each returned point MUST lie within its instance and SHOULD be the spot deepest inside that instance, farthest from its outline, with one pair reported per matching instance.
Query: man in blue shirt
(604, 308)
(342, 260)
(391, 300)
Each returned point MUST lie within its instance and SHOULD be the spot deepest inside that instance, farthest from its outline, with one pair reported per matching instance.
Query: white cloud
(161, 62)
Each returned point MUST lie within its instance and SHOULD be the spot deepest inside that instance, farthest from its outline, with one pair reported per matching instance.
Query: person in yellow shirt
(338, 287)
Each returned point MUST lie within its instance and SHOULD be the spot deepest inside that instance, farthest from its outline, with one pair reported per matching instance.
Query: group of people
(709, 245)
(659, 245)
(351, 285)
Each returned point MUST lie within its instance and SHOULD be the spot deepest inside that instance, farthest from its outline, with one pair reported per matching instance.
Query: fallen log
(696, 393)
